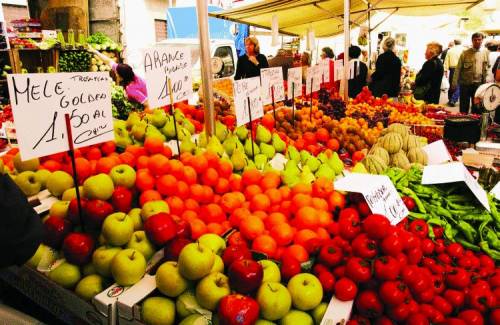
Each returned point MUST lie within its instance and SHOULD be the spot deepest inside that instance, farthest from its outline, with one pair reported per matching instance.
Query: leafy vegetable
(121, 106)
(74, 61)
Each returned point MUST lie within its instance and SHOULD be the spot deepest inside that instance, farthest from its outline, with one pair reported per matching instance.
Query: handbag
(420, 91)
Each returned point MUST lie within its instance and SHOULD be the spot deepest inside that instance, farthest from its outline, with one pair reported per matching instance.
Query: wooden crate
(30, 59)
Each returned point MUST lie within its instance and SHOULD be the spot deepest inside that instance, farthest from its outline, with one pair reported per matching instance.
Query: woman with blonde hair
(387, 75)
(249, 64)
(428, 80)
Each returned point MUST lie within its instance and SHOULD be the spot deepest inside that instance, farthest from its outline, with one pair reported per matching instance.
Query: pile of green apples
(206, 282)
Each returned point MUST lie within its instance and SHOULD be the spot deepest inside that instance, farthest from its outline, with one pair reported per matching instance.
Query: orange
(51, 165)
(300, 200)
(302, 188)
(285, 208)
(323, 234)
(235, 182)
(320, 204)
(302, 236)
(236, 239)
(261, 215)
(215, 228)
(229, 202)
(282, 233)
(142, 162)
(251, 227)
(190, 176)
(166, 185)
(83, 169)
(212, 159)
(260, 202)
(176, 168)
(182, 190)
(274, 196)
(285, 192)
(149, 195)
(94, 154)
(158, 164)
(198, 228)
(153, 145)
(265, 244)
(324, 218)
(251, 191)
(175, 204)
(237, 216)
(144, 180)
(269, 180)
(196, 192)
(322, 187)
(189, 215)
(225, 168)
(250, 177)
(222, 186)
(298, 252)
(208, 194)
(191, 204)
(274, 219)
(240, 196)
(127, 158)
(108, 147)
(105, 164)
(136, 150)
(167, 152)
(336, 201)
(185, 158)
(210, 177)
(199, 164)
(212, 213)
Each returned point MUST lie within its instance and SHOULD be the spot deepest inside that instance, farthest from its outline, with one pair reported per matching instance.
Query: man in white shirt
(450, 63)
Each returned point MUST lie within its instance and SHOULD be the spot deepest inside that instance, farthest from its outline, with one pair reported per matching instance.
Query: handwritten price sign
(173, 63)
(244, 89)
(314, 76)
(39, 102)
(325, 70)
(295, 79)
(272, 77)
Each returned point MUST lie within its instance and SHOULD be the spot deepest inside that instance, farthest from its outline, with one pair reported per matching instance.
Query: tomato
(481, 300)
(465, 262)
(455, 321)
(437, 269)
(480, 284)
(392, 245)
(487, 262)
(438, 284)
(408, 273)
(494, 280)
(444, 258)
(417, 319)
(495, 317)
(414, 256)
(420, 283)
(330, 255)
(427, 246)
(358, 319)
(425, 296)
(410, 240)
(409, 202)
(358, 270)
(345, 289)
(420, 228)
(364, 247)
(386, 268)
(384, 321)
(496, 292)
(471, 317)
(376, 226)
(339, 271)
(363, 208)
(402, 259)
(348, 229)
(454, 297)
(400, 312)
(368, 304)
(393, 293)
(350, 214)
(434, 315)
(455, 250)
(440, 246)
(458, 278)
(442, 305)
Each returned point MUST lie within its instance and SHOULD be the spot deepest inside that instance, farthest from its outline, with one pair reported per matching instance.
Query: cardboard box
(62, 303)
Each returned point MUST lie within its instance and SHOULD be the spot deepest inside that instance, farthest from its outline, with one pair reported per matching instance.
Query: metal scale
(488, 96)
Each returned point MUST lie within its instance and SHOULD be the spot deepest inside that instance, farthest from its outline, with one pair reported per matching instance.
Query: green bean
(469, 232)
(492, 238)
(467, 244)
(416, 215)
(415, 198)
(494, 254)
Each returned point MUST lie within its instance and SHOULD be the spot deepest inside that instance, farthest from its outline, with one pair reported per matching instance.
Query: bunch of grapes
(334, 108)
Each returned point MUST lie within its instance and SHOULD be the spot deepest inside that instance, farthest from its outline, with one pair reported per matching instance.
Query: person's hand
(253, 59)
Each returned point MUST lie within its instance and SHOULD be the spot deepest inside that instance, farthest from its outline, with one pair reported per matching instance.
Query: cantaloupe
(392, 142)
(417, 155)
(400, 160)
(374, 164)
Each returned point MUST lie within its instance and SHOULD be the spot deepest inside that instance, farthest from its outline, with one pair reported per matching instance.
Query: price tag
(244, 89)
(339, 69)
(495, 191)
(278, 162)
(295, 78)
(48, 33)
(40, 100)
(272, 77)
(325, 69)
(437, 153)
(173, 63)
(379, 193)
(314, 75)
(455, 172)
(337, 312)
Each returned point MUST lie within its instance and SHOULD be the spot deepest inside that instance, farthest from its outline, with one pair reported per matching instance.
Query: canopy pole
(369, 14)
(347, 41)
(206, 66)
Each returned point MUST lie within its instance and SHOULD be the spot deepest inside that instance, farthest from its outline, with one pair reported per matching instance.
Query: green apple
(89, 269)
(318, 312)
(42, 175)
(295, 317)
(140, 241)
(214, 242)
(117, 229)
(158, 311)
(59, 209)
(153, 207)
(66, 275)
(70, 193)
(26, 165)
(135, 214)
(306, 291)
(99, 187)
(218, 265)
(169, 281)
(89, 286)
(123, 175)
(196, 319)
(264, 322)
(28, 183)
(196, 261)
(102, 257)
(271, 271)
(58, 182)
(128, 267)
(37, 257)
(211, 289)
(274, 300)
(187, 304)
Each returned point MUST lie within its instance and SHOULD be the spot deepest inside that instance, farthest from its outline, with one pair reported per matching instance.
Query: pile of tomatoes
(396, 274)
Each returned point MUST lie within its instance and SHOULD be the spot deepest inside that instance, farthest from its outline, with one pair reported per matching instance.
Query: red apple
(122, 199)
(78, 248)
(183, 229)
(235, 253)
(313, 245)
(55, 231)
(290, 266)
(73, 210)
(235, 239)
(245, 276)
(327, 280)
(160, 228)
(96, 211)
(238, 309)
(174, 247)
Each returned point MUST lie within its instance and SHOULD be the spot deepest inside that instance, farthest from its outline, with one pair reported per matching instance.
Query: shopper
(305, 61)
(327, 53)
(450, 64)
(494, 52)
(360, 71)
(428, 80)
(387, 75)
(445, 52)
(470, 73)
(249, 65)
(134, 86)
(283, 59)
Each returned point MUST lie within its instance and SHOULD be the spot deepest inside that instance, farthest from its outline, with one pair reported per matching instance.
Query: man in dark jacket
(387, 75)
(431, 74)
(358, 78)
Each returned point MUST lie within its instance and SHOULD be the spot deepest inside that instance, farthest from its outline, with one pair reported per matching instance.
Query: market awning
(325, 17)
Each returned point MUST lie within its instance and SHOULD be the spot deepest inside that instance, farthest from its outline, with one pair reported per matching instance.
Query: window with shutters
(160, 29)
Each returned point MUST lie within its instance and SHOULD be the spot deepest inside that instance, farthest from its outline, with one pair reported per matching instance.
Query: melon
(392, 142)
(400, 160)
(374, 164)
(410, 142)
(417, 155)
(381, 153)
(399, 128)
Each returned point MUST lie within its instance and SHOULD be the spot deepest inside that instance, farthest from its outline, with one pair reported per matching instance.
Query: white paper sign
(272, 77)
(39, 102)
(314, 76)
(454, 172)
(244, 89)
(278, 162)
(48, 33)
(339, 69)
(495, 191)
(437, 153)
(325, 69)
(379, 193)
(337, 312)
(295, 79)
(165, 62)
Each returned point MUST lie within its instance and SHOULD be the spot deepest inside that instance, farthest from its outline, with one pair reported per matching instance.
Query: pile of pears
(159, 124)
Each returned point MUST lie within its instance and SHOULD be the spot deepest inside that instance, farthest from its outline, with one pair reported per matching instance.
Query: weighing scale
(489, 101)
